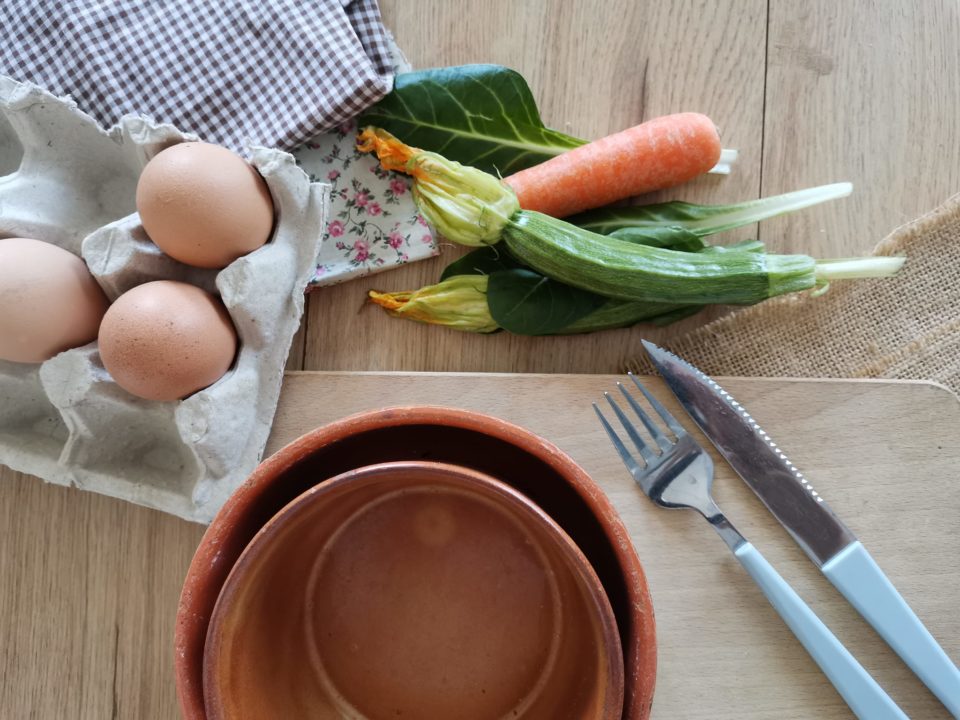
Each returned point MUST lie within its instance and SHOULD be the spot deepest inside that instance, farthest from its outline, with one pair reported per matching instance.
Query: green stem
(705, 219)
(756, 210)
(856, 268)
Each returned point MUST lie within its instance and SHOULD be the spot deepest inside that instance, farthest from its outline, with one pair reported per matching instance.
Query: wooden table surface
(809, 93)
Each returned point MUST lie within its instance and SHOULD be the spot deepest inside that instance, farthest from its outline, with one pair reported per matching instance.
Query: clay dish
(515, 456)
(412, 590)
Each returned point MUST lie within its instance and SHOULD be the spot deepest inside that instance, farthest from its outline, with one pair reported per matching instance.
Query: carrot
(657, 154)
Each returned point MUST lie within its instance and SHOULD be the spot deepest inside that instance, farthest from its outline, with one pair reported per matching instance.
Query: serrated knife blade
(756, 458)
(793, 501)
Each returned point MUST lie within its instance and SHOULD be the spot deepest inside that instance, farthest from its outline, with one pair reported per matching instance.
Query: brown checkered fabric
(237, 72)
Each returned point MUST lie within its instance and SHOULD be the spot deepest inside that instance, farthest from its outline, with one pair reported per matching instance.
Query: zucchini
(623, 313)
(629, 271)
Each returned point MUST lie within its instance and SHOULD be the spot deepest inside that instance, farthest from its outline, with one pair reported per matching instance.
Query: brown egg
(203, 205)
(165, 340)
(49, 301)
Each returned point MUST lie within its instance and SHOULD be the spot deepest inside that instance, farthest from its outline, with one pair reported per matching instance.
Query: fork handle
(855, 573)
(861, 692)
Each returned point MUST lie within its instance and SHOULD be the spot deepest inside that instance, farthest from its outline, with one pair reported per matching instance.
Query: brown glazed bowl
(418, 590)
(525, 461)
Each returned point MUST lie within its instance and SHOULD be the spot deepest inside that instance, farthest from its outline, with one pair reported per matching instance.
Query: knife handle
(862, 582)
(861, 692)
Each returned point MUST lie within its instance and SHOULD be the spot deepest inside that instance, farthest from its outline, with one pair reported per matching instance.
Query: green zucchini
(617, 313)
(625, 270)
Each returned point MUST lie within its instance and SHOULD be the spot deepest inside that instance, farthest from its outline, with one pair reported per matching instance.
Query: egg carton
(66, 180)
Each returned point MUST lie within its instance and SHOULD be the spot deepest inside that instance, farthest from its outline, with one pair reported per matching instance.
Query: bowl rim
(459, 477)
(640, 653)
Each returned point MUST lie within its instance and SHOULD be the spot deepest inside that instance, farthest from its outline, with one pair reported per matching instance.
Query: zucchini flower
(465, 205)
(459, 302)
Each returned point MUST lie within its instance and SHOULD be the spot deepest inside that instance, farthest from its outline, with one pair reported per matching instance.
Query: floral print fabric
(373, 223)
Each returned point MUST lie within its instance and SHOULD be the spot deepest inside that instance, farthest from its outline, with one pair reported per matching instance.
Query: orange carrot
(657, 154)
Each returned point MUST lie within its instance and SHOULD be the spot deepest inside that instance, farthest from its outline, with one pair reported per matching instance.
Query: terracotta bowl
(516, 456)
(417, 590)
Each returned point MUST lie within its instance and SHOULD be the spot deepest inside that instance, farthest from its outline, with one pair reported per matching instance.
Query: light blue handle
(863, 583)
(862, 693)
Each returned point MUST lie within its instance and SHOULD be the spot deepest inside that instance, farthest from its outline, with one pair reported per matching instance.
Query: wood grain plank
(862, 91)
(298, 345)
(88, 591)
(89, 584)
(593, 70)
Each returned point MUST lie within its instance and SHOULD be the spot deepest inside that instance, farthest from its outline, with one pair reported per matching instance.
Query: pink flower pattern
(362, 249)
(373, 222)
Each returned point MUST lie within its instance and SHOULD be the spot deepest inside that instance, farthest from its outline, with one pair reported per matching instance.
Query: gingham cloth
(235, 72)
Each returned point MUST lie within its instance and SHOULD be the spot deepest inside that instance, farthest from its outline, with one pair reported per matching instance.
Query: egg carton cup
(65, 180)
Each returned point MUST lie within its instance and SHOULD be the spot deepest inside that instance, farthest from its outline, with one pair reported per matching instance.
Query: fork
(678, 473)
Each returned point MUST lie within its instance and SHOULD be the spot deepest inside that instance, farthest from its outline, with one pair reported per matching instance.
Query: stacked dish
(451, 529)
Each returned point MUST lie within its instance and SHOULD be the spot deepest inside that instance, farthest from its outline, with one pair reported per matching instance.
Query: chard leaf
(616, 313)
(479, 115)
(482, 261)
(673, 237)
(704, 219)
(526, 303)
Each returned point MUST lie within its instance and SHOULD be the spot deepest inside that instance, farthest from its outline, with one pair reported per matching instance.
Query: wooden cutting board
(89, 585)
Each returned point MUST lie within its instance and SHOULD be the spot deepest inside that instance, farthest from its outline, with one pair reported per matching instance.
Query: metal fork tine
(662, 440)
(632, 465)
(645, 452)
(671, 421)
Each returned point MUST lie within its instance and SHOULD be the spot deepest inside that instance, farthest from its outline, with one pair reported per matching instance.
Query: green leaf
(673, 237)
(479, 115)
(482, 261)
(607, 221)
(616, 313)
(705, 219)
(527, 303)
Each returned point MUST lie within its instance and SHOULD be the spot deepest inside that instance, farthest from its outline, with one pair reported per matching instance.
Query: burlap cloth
(907, 327)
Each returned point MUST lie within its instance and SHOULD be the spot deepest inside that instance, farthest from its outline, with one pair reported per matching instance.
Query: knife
(802, 511)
